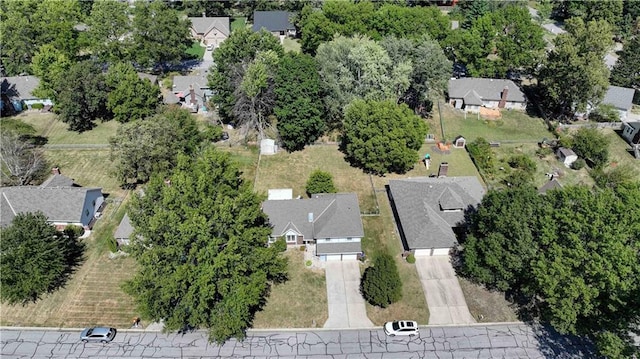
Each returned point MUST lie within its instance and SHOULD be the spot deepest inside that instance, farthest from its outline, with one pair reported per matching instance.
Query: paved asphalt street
(477, 341)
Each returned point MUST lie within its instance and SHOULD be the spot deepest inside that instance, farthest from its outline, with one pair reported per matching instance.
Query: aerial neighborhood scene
(397, 172)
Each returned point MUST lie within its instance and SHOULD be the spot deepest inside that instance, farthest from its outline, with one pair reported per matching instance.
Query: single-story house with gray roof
(276, 22)
(190, 91)
(17, 93)
(631, 132)
(123, 233)
(210, 30)
(621, 98)
(429, 211)
(469, 94)
(330, 221)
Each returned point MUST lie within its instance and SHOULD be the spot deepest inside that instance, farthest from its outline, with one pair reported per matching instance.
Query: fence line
(599, 125)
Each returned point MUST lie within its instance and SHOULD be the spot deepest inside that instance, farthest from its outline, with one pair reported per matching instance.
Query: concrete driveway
(346, 305)
(444, 296)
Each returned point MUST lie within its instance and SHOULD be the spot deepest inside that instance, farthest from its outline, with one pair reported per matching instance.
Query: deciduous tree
(381, 136)
(626, 72)
(591, 144)
(130, 97)
(298, 108)
(108, 28)
(22, 162)
(202, 249)
(35, 258)
(49, 65)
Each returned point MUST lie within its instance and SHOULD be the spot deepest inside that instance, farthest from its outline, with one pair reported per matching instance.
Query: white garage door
(334, 257)
(349, 257)
(441, 251)
(422, 252)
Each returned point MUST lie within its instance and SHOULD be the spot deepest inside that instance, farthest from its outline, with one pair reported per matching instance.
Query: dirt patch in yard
(487, 306)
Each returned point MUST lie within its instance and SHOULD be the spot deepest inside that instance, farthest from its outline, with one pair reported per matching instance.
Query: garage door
(422, 252)
(334, 257)
(349, 257)
(441, 251)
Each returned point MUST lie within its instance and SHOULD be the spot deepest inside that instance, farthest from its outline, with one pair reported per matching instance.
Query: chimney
(193, 96)
(503, 98)
(55, 170)
(443, 169)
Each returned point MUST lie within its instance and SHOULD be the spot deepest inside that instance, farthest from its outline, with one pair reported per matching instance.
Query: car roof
(407, 323)
(100, 330)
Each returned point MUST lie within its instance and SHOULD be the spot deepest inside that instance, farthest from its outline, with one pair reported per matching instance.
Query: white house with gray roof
(18, 91)
(191, 92)
(428, 211)
(210, 31)
(621, 98)
(276, 22)
(59, 198)
(469, 94)
(330, 221)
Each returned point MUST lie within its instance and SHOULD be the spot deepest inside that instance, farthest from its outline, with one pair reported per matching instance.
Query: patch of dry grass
(298, 303)
(487, 306)
(57, 132)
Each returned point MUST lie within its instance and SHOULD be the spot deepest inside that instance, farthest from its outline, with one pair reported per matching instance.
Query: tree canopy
(381, 283)
(626, 72)
(570, 255)
(592, 145)
(298, 108)
(20, 161)
(130, 97)
(381, 136)
(320, 182)
(202, 248)
(108, 26)
(35, 258)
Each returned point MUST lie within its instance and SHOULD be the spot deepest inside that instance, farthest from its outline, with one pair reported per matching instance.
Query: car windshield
(90, 331)
(395, 325)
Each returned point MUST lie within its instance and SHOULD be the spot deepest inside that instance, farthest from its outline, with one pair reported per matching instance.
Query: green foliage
(280, 244)
(231, 59)
(297, 107)
(613, 346)
(142, 148)
(381, 284)
(482, 155)
(605, 113)
(522, 162)
(130, 97)
(202, 254)
(625, 72)
(212, 133)
(381, 136)
(574, 74)
(358, 68)
(49, 65)
(320, 182)
(112, 244)
(411, 258)
(617, 176)
(579, 164)
(35, 258)
(108, 24)
(37, 106)
(592, 145)
(82, 96)
(571, 256)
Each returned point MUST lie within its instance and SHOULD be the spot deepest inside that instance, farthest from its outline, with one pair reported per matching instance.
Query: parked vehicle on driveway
(98, 334)
(401, 327)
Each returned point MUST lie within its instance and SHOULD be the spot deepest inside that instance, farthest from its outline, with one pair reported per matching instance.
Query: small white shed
(566, 156)
(268, 147)
(280, 194)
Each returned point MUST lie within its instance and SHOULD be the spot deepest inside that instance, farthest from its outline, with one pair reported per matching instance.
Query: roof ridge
(9, 203)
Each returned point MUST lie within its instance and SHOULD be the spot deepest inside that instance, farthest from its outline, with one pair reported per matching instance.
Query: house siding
(92, 203)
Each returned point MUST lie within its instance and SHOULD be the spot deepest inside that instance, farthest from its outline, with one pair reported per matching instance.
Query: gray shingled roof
(335, 215)
(566, 152)
(421, 204)
(474, 90)
(150, 77)
(338, 248)
(620, 97)
(20, 86)
(203, 25)
(59, 204)
(272, 21)
(553, 184)
(183, 84)
(58, 180)
(124, 229)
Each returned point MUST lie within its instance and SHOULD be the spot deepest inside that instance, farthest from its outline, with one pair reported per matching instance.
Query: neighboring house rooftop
(429, 208)
(19, 86)
(635, 140)
(203, 25)
(619, 97)
(475, 90)
(566, 152)
(182, 84)
(150, 77)
(552, 184)
(272, 21)
(59, 180)
(323, 216)
(124, 229)
(59, 204)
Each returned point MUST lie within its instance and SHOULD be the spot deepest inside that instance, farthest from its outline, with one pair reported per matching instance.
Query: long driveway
(346, 305)
(441, 287)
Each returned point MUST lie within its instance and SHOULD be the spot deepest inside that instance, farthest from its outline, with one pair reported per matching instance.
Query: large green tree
(142, 148)
(230, 62)
(19, 35)
(49, 65)
(358, 67)
(570, 255)
(381, 284)
(55, 21)
(626, 72)
(160, 34)
(298, 108)
(592, 145)
(35, 259)
(82, 96)
(381, 136)
(202, 249)
(108, 27)
(575, 74)
(130, 97)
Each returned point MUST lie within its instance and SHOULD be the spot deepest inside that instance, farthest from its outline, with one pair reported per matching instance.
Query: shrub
(320, 182)
(37, 106)
(74, 232)
(308, 263)
(303, 248)
(411, 258)
(522, 162)
(578, 164)
(381, 285)
(605, 113)
(482, 155)
(113, 244)
(280, 244)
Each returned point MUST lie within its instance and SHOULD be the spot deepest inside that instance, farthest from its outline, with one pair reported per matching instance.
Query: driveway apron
(346, 305)
(441, 287)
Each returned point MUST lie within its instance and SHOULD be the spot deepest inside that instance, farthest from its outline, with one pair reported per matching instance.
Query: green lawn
(57, 132)
(291, 45)
(196, 51)
(618, 153)
(238, 23)
(512, 126)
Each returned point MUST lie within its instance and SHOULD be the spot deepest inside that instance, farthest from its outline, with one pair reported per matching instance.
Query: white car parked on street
(401, 327)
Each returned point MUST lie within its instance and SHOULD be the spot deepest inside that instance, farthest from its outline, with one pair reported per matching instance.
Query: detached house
(17, 94)
(276, 22)
(61, 200)
(190, 92)
(430, 211)
(470, 94)
(210, 31)
(330, 222)
(631, 132)
(621, 98)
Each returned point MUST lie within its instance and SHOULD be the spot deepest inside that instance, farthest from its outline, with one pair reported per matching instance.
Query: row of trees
(570, 257)
(148, 34)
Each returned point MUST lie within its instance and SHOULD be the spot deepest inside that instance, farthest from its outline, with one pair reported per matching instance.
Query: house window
(93, 203)
(291, 238)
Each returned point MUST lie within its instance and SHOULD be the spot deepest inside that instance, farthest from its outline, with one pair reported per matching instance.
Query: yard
(238, 23)
(195, 51)
(57, 133)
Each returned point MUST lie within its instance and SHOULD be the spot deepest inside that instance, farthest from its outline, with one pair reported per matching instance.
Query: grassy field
(618, 153)
(196, 51)
(238, 23)
(291, 45)
(298, 303)
(512, 126)
(57, 132)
